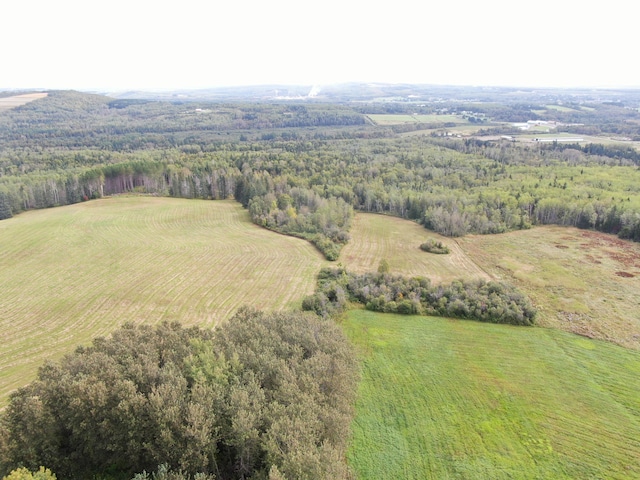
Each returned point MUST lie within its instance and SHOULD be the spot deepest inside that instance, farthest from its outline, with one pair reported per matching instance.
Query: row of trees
(382, 292)
(265, 396)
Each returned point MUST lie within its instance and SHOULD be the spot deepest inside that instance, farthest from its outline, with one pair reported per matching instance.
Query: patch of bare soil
(625, 274)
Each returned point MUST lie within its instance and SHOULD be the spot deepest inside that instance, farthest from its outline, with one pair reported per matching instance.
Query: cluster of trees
(382, 292)
(433, 246)
(297, 211)
(265, 396)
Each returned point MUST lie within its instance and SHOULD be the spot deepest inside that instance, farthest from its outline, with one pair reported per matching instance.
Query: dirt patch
(625, 274)
(592, 259)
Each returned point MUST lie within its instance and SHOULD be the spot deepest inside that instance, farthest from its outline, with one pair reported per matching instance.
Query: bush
(432, 246)
(381, 292)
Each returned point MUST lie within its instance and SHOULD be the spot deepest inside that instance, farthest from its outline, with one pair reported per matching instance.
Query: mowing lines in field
(73, 273)
(376, 237)
(459, 399)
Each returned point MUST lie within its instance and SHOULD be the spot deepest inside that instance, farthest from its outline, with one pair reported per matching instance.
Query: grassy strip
(457, 399)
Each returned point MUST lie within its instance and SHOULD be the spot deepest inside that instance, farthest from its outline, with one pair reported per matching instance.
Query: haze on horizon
(124, 45)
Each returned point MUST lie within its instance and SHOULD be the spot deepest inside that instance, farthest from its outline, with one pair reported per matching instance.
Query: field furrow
(70, 274)
(377, 237)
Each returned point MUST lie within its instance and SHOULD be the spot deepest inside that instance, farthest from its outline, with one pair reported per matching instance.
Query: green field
(72, 273)
(446, 399)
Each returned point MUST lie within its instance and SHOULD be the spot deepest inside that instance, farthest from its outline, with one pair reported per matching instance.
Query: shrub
(433, 246)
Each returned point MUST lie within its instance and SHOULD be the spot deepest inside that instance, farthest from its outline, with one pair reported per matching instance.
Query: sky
(118, 45)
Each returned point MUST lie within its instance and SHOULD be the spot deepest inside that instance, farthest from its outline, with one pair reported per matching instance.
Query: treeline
(265, 396)
(382, 292)
(296, 211)
(307, 183)
(610, 151)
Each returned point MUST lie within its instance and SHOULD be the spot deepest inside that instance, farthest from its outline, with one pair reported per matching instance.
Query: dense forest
(302, 168)
(266, 396)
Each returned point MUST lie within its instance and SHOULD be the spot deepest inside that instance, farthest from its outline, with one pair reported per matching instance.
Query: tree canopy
(264, 394)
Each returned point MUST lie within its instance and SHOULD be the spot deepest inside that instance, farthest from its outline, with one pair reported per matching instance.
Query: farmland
(457, 399)
(581, 281)
(377, 237)
(7, 103)
(73, 273)
(159, 209)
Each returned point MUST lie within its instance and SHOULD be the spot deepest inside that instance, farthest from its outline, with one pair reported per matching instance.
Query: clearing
(374, 237)
(7, 103)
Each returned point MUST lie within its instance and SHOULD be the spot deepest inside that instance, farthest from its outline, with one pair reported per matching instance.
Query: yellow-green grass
(391, 119)
(7, 103)
(581, 281)
(446, 399)
(72, 273)
(376, 237)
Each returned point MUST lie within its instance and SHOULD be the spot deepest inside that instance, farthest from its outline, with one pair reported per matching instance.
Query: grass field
(7, 103)
(581, 281)
(374, 237)
(444, 399)
(72, 273)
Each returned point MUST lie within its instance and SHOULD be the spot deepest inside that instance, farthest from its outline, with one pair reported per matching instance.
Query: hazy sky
(135, 44)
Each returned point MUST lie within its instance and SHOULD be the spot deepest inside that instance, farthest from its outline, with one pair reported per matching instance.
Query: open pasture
(454, 399)
(376, 237)
(72, 273)
(581, 281)
(7, 103)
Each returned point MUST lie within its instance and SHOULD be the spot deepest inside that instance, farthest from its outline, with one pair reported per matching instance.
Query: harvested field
(72, 273)
(7, 103)
(376, 237)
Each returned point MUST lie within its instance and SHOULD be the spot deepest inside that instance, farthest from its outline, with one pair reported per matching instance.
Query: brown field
(582, 281)
(7, 103)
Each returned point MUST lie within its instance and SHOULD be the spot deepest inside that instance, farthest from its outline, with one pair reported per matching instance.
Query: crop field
(7, 103)
(581, 281)
(454, 399)
(72, 273)
(376, 237)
